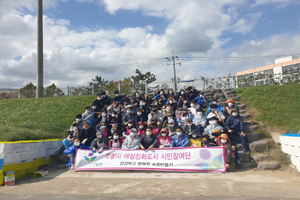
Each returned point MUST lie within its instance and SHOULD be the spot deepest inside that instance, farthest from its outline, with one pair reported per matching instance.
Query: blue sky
(85, 38)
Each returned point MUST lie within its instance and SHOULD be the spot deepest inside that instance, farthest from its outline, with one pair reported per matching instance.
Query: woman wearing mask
(182, 117)
(104, 129)
(225, 142)
(172, 94)
(99, 142)
(139, 117)
(230, 105)
(164, 140)
(127, 128)
(103, 118)
(155, 127)
(115, 128)
(115, 142)
(132, 140)
(195, 140)
(213, 125)
(171, 127)
(205, 141)
(141, 127)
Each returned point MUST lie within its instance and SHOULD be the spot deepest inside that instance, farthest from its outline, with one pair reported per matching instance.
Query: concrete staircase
(254, 158)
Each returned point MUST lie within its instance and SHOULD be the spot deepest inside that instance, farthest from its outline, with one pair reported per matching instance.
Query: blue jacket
(235, 123)
(73, 149)
(219, 108)
(138, 119)
(180, 142)
(158, 96)
(200, 100)
(119, 98)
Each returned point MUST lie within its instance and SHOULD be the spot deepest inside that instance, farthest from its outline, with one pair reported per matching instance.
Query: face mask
(129, 111)
(116, 137)
(189, 124)
(99, 98)
(87, 111)
(199, 113)
(223, 141)
(179, 133)
(139, 113)
(182, 92)
(113, 115)
(214, 102)
(184, 101)
(78, 119)
(234, 114)
(192, 105)
(114, 124)
(141, 126)
(75, 129)
(77, 144)
(204, 143)
(201, 95)
(230, 104)
(117, 95)
(103, 115)
(194, 135)
(170, 117)
(94, 107)
(148, 133)
(212, 122)
(99, 136)
(164, 134)
(171, 92)
(170, 102)
(130, 125)
(103, 126)
(161, 93)
(171, 125)
(137, 95)
(132, 134)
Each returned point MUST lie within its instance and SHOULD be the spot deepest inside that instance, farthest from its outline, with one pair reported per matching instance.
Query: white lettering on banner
(201, 159)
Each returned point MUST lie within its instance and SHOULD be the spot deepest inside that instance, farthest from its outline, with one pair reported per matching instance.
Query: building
(286, 69)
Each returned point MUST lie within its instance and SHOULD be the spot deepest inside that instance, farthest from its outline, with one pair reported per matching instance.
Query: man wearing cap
(99, 102)
(189, 128)
(148, 140)
(180, 139)
(216, 113)
(202, 100)
(230, 105)
(78, 121)
(166, 122)
(132, 140)
(235, 126)
(119, 98)
(87, 134)
(213, 125)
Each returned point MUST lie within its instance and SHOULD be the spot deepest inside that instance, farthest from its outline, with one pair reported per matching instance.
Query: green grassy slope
(279, 106)
(32, 119)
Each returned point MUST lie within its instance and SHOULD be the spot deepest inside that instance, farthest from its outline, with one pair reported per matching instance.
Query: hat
(216, 132)
(79, 116)
(189, 120)
(230, 101)
(188, 88)
(130, 121)
(205, 136)
(234, 110)
(87, 107)
(103, 93)
(133, 130)
(213, 118)
(116, 92)
(224, 136)
(185, 108)
(75, 124)
(201, 92)
(163, 130)
(98, 132)
(171, 121)
(86, 122)
(141, 123)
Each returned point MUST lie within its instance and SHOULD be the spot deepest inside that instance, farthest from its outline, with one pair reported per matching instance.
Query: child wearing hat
(225, 142)
(195, 140)
(141, 127)
(115, 142)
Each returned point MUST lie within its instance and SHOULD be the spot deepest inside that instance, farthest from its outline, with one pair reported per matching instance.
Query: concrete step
(251, 137)
(248, 123)
(244, 157)
(259, 146)
(248, 165)
(250, 128)
(259, 157)
(245, 115)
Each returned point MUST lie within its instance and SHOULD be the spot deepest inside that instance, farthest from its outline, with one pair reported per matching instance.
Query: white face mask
(213, 122)
(179, 133)
(113, 115)
(75, 129)
(137, 95)
(99, 136)
(94, 107)
(116, 137)
(141, 126)
(78, 119)
(170, 102)
(234, 114)
(230, 104)
(77, 144)
(130, 125)
(148, 133)
(129, 111)
(139, 113)
(223, 141)
(87, 111)
(103, 115)
(171, 125)
(132, 134)
(184, 101)
(170, 117)
(214, 102)
(199, 113)
(192, 105)
(163, 134)
(103, 126)
(201, 95)
(194, 135)
(99, 98)
(189, 124)
(182, 92)
(117, 95)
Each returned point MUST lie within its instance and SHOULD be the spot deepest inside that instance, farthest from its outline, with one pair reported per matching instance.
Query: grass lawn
(279, 106)
(45, 118)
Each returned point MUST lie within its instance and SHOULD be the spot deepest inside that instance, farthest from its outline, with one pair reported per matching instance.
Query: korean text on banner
(177, 159)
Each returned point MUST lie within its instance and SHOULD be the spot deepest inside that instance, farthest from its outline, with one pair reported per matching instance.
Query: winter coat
(131, 143)
(146, 142)
(94, 143)
(89, 133)
(183, 141)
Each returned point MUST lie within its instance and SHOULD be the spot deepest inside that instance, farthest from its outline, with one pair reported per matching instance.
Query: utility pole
(174, 64)
(39, 61)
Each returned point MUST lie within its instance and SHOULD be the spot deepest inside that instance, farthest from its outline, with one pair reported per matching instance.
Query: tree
(98, 83)
(140, 79)
(28, 91)
(52, 91)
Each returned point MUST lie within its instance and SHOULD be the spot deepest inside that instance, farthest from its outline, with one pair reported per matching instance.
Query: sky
(112, 38)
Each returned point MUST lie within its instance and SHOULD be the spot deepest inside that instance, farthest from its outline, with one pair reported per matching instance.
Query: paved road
(64, 184)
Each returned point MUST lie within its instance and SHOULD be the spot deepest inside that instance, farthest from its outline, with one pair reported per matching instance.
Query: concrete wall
(290, 144)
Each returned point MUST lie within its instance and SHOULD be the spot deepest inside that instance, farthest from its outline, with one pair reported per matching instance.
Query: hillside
(278, 105)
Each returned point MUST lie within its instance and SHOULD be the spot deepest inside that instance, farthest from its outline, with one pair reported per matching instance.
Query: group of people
(169, 120)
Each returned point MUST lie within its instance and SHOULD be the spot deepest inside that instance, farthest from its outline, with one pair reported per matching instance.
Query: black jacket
(89, 133)
(144, 141)
(100, 140)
